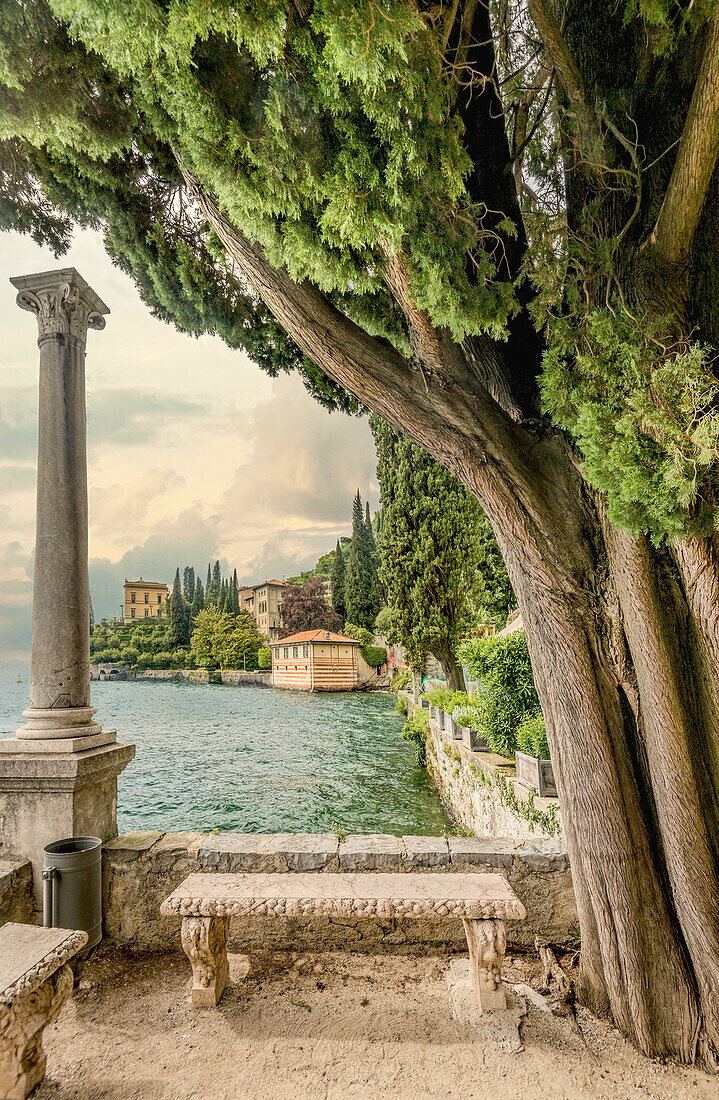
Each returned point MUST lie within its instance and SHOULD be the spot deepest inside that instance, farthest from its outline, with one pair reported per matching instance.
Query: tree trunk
(624, 643)
(453, 673)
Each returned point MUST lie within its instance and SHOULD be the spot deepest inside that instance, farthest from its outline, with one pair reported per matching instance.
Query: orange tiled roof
(315, 636)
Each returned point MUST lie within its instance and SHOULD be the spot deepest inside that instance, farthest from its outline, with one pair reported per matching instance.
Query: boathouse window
(287, 651)
(305, 651)
(295, 651)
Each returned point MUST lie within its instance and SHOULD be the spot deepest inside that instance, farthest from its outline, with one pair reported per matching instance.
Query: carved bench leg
(22, 1059)
(204, 941)
(487, 943)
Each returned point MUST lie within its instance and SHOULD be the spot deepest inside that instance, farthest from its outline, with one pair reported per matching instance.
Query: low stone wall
(178, 675)
(262, 679)
(140, 869)
(16, 898)
(481, 792)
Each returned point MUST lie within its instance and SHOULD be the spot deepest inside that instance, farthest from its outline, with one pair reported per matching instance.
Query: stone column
(58, 775)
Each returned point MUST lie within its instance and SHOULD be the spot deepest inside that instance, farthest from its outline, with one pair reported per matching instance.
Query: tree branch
(679, 216)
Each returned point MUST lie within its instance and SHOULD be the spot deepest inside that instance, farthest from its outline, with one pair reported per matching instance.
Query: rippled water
(253, 759)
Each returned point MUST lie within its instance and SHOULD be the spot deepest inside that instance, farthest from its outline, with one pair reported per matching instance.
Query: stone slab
(486, 850)
(230, 851)
(173, 847)
(58, 744)
(29, 955)
(474, 896)
(132, 845)
(39, 772)
(425, 851)
(544, 855)
(498, 1027)
(304, 851)
(371, 852)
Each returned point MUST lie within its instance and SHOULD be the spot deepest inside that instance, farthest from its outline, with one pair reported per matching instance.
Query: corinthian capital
(62, 301)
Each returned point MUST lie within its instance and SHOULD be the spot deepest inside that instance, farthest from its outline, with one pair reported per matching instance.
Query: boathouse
(316, 660)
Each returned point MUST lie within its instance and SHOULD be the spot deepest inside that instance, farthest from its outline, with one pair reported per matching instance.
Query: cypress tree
(198, 600)
(362, 590)
(337, 582)
(179, 626)
(233, 600)
(222, 599)
(215, 586)
(208, 583)
(188, 583)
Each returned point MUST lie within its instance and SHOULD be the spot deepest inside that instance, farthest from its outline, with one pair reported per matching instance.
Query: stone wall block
(173, 851)
(123, 849)
(16, 897)
(424, 852)
(480, 850)
(305, 851)
(543, 855)
(371, 852)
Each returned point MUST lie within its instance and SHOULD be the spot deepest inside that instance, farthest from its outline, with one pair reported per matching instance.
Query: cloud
(15, 601)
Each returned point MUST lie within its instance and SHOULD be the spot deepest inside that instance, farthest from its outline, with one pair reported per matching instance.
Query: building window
(159, 597)
(287, 652)
(305, 651)
(146, 613)
(132, 597)
(295, 651)
(147, 597)
(132, 613)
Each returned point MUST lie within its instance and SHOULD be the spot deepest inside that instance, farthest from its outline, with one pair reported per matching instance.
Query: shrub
(447, 700)
(532, 736)
(359, 633)
(416, 730)
(130, 655)
(506, 693)
(264, 657)
(401, 705)
(374, 655)
(469, 716)
(401, 678)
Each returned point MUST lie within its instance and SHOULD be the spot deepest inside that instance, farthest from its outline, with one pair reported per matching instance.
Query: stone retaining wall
(16, 898)
(481, 792)
(140, 869)
(234, 676)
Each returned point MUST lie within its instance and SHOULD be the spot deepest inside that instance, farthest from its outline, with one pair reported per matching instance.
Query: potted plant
(534, 768)
(469, 721)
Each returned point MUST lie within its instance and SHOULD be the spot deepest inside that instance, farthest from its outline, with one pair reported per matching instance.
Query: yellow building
(263, 601)
(145, 600)
(316, 660)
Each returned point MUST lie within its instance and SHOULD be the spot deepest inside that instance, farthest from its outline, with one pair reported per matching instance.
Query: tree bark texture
(624, 638)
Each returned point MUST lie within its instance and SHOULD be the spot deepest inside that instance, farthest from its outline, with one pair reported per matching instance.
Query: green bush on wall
(374, 655)
(532, 736)
(506, 695)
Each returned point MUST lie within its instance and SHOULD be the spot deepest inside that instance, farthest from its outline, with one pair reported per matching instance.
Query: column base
(59, 744)
(64, 723)
(49, 795)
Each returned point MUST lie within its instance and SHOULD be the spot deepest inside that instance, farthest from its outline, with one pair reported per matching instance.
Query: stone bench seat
(35, 982)
(207, 901)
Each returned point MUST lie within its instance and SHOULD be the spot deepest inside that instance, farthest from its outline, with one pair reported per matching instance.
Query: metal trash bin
(72, 886)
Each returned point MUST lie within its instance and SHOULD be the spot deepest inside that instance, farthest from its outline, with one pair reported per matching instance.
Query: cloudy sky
(193, 453)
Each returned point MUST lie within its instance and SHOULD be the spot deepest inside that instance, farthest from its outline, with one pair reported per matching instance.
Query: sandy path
(324, 1027)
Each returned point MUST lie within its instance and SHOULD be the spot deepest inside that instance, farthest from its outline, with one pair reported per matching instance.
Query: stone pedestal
(58, 775)
(48, 796)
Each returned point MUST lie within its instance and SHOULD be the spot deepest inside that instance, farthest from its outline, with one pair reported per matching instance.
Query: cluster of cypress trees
(189, 597)
(356, 589)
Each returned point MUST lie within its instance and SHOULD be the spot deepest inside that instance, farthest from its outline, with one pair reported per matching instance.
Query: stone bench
(206, 902)
(35, 982)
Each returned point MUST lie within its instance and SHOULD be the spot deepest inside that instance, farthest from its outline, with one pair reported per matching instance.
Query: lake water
(252, 759)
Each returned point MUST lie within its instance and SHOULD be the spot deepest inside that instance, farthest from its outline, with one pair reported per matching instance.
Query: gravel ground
(333, 1026)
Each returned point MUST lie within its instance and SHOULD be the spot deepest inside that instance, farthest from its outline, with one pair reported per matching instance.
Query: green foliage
(359, 633)
(429, 548)
(401, 705)
(447, 700)
(221, 639)
(383, 622)
(179, 614)
(416, 730)
(506, 692)
(469, 715)
(401, 678)
(361, 588)
(532, 736)
(647, 423)
(264, 657)
(374, 655)
(338, 581)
